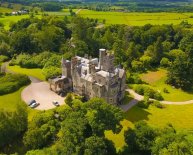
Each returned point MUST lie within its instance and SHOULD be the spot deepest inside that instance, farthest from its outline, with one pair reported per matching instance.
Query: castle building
(92, 78)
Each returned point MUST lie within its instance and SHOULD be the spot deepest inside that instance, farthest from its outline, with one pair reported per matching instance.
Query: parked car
(56, 103)
(34, 105)
(31, 102)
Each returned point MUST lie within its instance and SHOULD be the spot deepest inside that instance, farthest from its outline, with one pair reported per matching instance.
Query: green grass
(31, 72)
(5, 10)
(137, 18)
(118, 139)
(157, 80)
(180, 116)
(7, 20)
(10, 101)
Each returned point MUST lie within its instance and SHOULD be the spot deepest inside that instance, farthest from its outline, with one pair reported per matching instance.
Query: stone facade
(92, 78)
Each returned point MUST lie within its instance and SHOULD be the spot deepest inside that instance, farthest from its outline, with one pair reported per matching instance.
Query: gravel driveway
(40, 92)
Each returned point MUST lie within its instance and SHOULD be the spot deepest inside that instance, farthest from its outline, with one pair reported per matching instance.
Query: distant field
(157, 80)
(137, 18)
(7, 20)
(5, 10)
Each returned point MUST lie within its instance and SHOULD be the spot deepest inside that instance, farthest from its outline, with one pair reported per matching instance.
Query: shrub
(158, 104)
(148, 91)
(12, 82)
(51, 72)
(32, 61)
(165, 62)
(165, 90)
(133, 79)
(3, 58)
(143, 104)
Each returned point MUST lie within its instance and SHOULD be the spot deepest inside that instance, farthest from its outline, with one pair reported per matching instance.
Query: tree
(146, 61)
(69, 99)
(42, 130)
(98, 114)
(22, 41)
(141, 139)
(165, 62)
(171, 142)
(155, 51)
(181, 72)
(96, 145)
(50, 38)
(13, 124)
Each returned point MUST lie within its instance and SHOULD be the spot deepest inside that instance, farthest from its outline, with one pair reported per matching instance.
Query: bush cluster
(31, 61)
(12, 82)
(3, 58)
(148, 91)
(146, 103)
(133, 79)
(49, 62)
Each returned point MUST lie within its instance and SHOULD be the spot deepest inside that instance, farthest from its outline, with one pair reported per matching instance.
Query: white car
(34, 105)
(55, 103)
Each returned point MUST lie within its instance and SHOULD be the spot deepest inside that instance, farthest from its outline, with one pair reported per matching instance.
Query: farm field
(36, 72)
(7, 20)
(137, 18)
(5, 10)
(157, 80)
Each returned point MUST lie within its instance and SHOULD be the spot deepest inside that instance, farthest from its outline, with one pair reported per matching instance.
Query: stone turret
(106, 61)
(66, 68)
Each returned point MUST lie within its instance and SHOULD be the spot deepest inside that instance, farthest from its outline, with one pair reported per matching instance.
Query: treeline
(98, 5)
(136, 48)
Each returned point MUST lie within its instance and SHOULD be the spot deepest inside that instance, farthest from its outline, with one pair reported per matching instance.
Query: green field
(157, 80)
(7, 20)
(5, 10)
(137, 18)
(36, 72)
(180, 116)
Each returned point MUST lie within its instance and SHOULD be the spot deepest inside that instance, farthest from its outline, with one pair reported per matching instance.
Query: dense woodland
(40, 43)
(110, 5)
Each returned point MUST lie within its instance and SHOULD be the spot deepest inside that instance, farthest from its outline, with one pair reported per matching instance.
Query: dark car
(31, 102)
(55, 103)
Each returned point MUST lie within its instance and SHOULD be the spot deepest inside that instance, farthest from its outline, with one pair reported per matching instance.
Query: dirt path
(78, 11)
(138, 98)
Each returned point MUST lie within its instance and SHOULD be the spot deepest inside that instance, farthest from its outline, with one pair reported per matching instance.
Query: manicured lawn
(137, 18)
(157, 80)
(31, 72)
(180, 116)
(10, 101)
